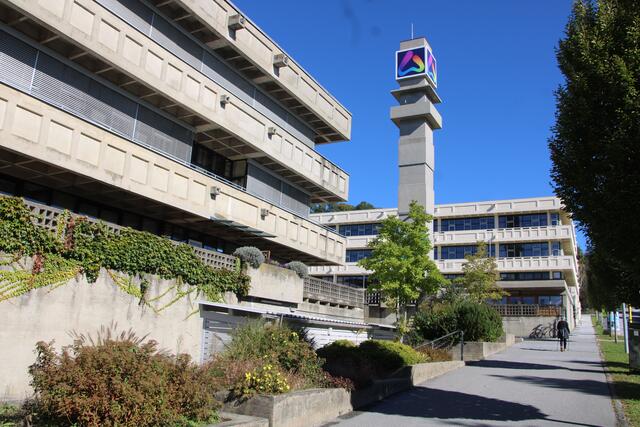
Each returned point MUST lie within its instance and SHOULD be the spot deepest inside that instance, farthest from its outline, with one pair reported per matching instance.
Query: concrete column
(416, 118)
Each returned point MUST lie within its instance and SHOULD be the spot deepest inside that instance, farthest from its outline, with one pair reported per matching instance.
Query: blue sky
(496, 76)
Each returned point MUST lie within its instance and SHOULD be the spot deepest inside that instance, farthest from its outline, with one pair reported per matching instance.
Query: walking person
(562, 328)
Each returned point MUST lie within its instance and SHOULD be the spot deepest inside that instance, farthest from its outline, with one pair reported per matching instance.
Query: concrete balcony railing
(350, 269)
(561, 232)
(62, 143)
(133, 57)
(48, 217)
(527, 310)
(324, 291)
(515, 264)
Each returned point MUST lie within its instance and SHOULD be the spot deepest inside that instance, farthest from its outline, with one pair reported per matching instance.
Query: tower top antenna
(412, 31)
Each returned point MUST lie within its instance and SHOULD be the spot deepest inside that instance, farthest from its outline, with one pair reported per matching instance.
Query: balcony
(111, 49)
(323, 291)
(528, 310)
(46, 145)
(531, 234)
(252, 51)
(314, 290)
(47, 217)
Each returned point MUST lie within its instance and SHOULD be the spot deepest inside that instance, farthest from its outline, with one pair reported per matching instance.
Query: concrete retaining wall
(45, 315)
(529, 327)
(308, 408)
(480, 350)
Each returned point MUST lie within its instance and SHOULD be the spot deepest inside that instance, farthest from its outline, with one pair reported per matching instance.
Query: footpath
(529, 384)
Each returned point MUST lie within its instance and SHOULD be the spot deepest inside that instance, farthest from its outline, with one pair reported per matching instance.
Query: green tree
(595, 145)
(480, 274)
(339, 207)
(402, 270)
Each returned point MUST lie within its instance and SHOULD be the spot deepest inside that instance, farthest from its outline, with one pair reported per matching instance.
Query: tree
(595, 144)
(480, 274)
(402, 270)
(339, 207)
(363, 206)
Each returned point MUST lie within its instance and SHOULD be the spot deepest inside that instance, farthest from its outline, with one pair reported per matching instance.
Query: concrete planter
(308, 408)
(479, 350)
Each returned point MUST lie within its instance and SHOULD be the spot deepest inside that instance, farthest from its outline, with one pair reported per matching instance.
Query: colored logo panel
(432, 69)
(416, 62)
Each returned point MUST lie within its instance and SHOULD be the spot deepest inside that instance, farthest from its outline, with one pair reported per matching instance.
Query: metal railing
(333, 293)
(48, 217)
(527, 310)
(445, 342)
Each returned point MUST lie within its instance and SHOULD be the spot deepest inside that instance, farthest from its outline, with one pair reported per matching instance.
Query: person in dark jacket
(562, 328)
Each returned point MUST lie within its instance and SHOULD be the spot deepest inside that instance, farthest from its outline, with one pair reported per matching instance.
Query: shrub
(250, 255)
(267, 380)
(479, 321)
(258, 342)
(300, 268)
(119, 381)
(391, 355)
(438, 321)
(371, 360)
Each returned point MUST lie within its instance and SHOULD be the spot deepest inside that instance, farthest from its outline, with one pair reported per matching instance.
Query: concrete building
(180, 117)
(184, 119)
(533, 241)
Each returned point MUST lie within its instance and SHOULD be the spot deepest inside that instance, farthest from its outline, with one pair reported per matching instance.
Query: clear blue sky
(496, 76)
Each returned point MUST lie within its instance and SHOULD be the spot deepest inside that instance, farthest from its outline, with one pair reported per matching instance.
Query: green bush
(372, 359)
(257, 343)
(119, 381)
(300, 268)
(391, 355)
(479, 321)
(250, 255)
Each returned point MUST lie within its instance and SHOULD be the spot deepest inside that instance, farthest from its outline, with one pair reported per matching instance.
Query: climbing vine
(80, 246)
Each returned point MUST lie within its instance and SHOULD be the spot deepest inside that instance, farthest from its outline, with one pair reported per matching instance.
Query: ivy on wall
(80, 246)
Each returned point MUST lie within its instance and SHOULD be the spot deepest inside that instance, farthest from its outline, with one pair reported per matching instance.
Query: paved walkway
(530, 384)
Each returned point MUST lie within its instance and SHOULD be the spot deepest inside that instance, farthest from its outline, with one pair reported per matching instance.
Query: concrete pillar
(416, 118)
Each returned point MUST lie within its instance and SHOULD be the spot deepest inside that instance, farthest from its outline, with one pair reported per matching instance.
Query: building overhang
(39, 172)
(290, 314)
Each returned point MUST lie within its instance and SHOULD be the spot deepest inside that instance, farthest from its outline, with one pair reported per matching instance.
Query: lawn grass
(626, 383)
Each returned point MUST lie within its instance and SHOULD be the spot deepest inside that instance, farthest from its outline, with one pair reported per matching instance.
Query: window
(452, 276)
(555, 218)
(472, 223)
(355, 255)
(359, 282)
(459, 252)
(557, 275)
(550, 300)
(359, 229)
(519, 221)
(517, 250)
(525, 275)
(556, 249)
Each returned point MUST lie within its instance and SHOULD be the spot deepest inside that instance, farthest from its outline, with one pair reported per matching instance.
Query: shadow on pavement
(504, 364)
(432, 403)
(599, 388)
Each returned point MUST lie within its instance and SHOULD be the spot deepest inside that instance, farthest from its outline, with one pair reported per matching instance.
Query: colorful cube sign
(416, 62)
